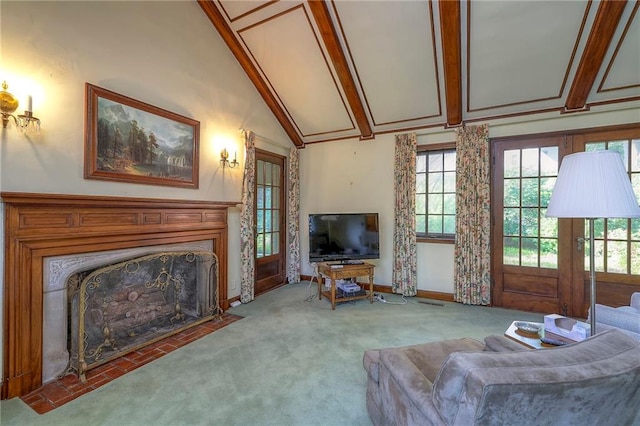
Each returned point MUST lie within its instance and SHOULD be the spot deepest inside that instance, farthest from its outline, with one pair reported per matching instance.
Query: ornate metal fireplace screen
(119, 308)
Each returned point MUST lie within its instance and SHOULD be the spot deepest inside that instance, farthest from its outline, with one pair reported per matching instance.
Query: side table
(344, 271)
(532, 340)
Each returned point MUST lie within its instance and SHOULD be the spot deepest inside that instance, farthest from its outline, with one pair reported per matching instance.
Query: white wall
(355, 176)
(166, 54)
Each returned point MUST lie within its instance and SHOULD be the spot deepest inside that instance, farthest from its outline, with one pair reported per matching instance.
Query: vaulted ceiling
(338, 69)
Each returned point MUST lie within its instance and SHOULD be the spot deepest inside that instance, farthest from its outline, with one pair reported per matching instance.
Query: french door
(538, 263)
(270, 221)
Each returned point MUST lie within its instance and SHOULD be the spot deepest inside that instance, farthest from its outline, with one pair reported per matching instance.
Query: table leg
(333, 294)
(371, 287)
(320, 280)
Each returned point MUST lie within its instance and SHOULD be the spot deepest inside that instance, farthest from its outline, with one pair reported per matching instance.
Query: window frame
(434, 238)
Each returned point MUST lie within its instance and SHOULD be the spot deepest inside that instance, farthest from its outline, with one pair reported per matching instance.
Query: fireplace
(39, 227)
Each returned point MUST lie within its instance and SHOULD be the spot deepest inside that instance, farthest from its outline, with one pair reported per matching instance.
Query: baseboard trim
(435, 295)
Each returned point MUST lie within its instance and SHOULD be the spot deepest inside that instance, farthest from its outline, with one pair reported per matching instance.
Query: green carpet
(288, 362)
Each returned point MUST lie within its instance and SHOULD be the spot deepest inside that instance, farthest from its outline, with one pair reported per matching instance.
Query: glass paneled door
(531, 271)
(270, 221)
(617, 241)
(542, 264)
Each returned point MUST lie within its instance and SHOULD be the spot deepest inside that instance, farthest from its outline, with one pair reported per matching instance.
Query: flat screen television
(343, 237)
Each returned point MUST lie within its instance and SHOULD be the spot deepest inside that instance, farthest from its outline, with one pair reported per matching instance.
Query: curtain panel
(247, 221)
(472, 275)
(293, 217)
(404, 280)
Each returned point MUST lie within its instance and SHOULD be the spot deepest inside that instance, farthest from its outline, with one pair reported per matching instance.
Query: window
(617, 241)
(436, 192)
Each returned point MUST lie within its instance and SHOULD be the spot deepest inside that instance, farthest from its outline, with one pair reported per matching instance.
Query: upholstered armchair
(625, 318)
(464, 382)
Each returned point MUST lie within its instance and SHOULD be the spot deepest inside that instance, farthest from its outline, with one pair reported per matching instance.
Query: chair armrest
(635, 300)
(618, 318)
(502, 344)
(417, 388)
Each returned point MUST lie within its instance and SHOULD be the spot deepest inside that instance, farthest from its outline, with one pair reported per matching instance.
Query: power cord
(312, 295)
(380, 298)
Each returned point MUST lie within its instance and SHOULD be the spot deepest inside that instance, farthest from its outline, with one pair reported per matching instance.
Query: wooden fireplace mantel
(42, 225)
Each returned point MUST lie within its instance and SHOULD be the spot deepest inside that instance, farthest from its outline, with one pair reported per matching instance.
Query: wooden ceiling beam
(604, 26)
(322, 17)
(450, 29)
(229, 37)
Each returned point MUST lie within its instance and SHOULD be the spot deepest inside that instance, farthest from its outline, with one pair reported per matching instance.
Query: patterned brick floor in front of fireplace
(57, 393)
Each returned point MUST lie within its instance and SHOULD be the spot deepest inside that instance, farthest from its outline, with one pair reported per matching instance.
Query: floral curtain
(472, 275)
(404, 229)
(293, 217)
(247, 221)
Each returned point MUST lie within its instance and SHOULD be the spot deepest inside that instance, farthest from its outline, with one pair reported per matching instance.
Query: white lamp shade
(593, 184)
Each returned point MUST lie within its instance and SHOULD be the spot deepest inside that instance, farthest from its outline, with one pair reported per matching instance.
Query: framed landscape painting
(130, 141)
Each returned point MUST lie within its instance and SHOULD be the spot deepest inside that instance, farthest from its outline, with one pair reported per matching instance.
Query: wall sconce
(8, 104)
(224, 159)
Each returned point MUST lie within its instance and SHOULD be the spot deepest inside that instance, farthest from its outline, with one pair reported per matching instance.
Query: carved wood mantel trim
(42, 225)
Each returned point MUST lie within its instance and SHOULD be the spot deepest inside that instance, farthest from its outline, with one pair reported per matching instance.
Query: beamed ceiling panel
(331, 70)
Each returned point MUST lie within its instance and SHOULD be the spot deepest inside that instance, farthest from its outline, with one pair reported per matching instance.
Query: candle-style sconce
(26, 122)
(224, 159)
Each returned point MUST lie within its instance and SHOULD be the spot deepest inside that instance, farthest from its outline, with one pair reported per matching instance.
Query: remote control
(553, 342)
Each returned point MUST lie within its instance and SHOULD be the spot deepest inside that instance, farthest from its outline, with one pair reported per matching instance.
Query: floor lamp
(593, 185)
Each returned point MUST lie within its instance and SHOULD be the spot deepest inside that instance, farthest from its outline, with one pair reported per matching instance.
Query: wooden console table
(340, 272)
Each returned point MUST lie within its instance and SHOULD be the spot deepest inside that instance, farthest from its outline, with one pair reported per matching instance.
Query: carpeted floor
(288, 362)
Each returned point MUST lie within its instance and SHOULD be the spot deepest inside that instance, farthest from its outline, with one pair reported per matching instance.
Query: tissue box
(567, 327)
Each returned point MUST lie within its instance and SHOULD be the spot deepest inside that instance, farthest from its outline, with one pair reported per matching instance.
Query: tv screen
(343, 237)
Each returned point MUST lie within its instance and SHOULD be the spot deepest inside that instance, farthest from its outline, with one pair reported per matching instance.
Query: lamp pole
(592, 269)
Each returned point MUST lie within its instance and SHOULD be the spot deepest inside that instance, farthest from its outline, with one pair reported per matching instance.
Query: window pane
(421, 204)
(267, 221)
(511, 251)
(275, 196)
(260, 172)
(276, 175)
(435, 182)
(511, 222)
(260, 221)
(268, 250)
(267, 198)
(436, 161)
(449, 224)
(435, 205)
(530, 162)
(421, 223)
(549, 161)
(530, 192)
(546, 188)
(617, 257)
(548, 225)
(450, 204)
(449, 182)
(511, 192)
(267, 173)
(260, 197)
(635, 230)
(530, 222)
(530, 252)
(421, 183)
(450, 160)
(512, 163)
(421, 163)
(617, 229)
(260, 245)
(435, 224)
(275, 224)
(548, 253)
(275, 243)
(635, 156)
(621, 147)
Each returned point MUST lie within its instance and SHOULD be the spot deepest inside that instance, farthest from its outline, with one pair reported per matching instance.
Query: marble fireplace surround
(56, 271)
(43, 226)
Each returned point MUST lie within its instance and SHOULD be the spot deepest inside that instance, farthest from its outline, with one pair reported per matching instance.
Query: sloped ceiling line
(228, 36)
(325, 25)
(600, 37)
(241, 33)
